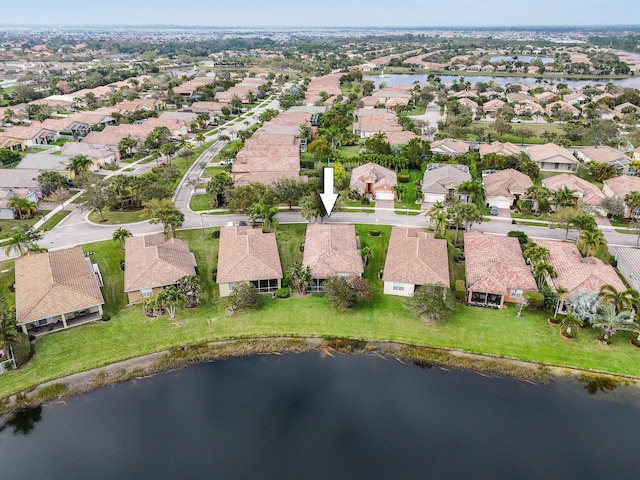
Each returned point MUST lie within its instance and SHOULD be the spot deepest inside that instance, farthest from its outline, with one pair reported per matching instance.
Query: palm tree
(590, 241)
(200, 138)
(570, 323)
(632, 199)
(585, 305)
(476, 191)
(169, 298)
(610, 322)
(21, 240)
(400, 189)
(190, 287)
(79, 164)
(540, 196)
(623, 300)
(8, 328)
(120, 235)
(536, 254)
(24, 207)
(367, 254)
(542, 270)
(564, 197)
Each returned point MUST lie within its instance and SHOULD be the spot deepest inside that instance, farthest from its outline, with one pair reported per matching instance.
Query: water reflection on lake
(312, 417)
(396, 79)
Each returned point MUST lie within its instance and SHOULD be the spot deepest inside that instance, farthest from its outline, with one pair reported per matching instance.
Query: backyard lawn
(129, 333)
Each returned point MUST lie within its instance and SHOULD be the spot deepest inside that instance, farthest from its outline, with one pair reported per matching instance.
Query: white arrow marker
(328, 197)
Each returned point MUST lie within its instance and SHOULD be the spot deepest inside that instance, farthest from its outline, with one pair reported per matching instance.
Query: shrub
(308, 164)
(521, 236)
(374, 233)
(215, 234)
(534, 299)
(403, 177)
(52, 391)
(106, 317)
(461, 290)
(283, 292)
(345, 293)
(245, 295)
(431, 302)
(364, 201)
(22, 349)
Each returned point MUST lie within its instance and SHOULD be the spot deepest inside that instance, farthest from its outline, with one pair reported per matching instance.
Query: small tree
(367, 254)
(169, 298)
(344, 293)
(120, 235)
(431, 302)
(190, 287)
(245, 295)
(300, 277)
(585, 305)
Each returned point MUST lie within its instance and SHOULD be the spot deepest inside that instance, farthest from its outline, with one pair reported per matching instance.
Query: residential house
(368, 125)
(56, 290)
(577, 273)
(248, 255)
(552, 108)
(585, 192)
(33, 136)
(552, 158)
(496, 271)
(414, 258)
(14, 144)
(6, 194)
(620, 187)
(99, 154)
(491, 108)
(604, 154)
(624, 108)
(449, 146)
(505, 187)
(628, 264)
(44, 162)
(373, 180)
(400, 138)
(331, 250)
(152, 263)
(499, 148)
(440, 180)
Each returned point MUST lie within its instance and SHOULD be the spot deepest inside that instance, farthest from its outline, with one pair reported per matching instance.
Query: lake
(521, 58)
(396, 79)
(309, 416)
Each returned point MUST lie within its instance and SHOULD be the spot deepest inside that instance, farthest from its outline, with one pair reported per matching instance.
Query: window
(398, 287)
(556, 166)
(515, 293)
(146, 292)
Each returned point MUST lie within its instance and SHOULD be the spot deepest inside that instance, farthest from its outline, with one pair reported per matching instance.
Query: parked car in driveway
(493, 211)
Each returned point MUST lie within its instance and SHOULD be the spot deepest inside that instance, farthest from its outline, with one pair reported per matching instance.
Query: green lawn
(201, 202)
(116, 217)
(6, 226)
(350, 151)
(129, 333)
(209, 171)
(409, 198)
(55, 220)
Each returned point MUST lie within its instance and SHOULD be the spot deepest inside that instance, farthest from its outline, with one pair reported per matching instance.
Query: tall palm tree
(632, 199)
(121, 235)
(21, 240)
(400, 189)
(540, 196)
(79, 164)
(564, 197)
(25, 208)
(367, 254)
(542, 270)
(8, 328)
(590, 241)
(611, 321)
(536, 254)
(623, 300)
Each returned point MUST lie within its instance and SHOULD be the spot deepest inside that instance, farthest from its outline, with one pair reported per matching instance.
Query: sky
(336, 13)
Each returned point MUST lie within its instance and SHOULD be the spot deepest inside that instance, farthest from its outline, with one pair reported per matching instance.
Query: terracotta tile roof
(495, 264)
(276, 161)
(247, 254)
(450, 146)
(206, 107)
(28, 133)
(577, 273)
(372, 173)
(71, 149)
(416, 257)
(331, 249)
(499, 148)
(506, 183)
(623, 184)
(151, 261)
(327, 83)
(53, 283)
(440, 180)
(604, 154)
(400, 138)
(11, 178)
(550, 151)
(587, 192)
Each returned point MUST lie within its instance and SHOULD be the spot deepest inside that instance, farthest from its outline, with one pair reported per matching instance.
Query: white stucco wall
(407, 292)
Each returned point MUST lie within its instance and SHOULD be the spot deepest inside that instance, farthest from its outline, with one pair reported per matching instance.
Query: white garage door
(384, 196)
(500, 203)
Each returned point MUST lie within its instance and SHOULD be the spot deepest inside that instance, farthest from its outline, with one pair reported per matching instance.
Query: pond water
(396, 79)
(521, 58)
(313, 417)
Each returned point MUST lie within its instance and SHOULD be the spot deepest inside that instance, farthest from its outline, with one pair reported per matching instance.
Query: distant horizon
(327, 14)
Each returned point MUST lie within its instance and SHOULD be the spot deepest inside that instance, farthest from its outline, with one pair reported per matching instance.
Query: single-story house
(619, 187)
(505, 187)
(414, 258)
(499, 148)
(552, 158)
(449, 146)
(492, 107)
(628, 264)
(374, 180)
(331, 250)
(585, 192)
(56, 290)
(248, 255)
(440, 180)
(152, 263)
(604, 154)
(6, 194)
(99, 154)
(578, 273)
(45, 162)
(496, 271)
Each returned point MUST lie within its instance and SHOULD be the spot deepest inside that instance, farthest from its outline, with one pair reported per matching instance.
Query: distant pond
(396, 79)
(309, 416)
